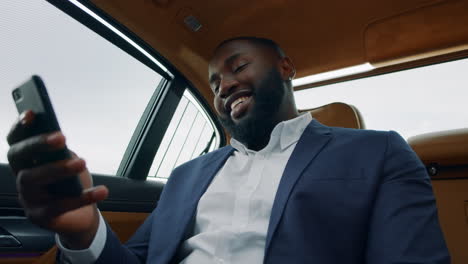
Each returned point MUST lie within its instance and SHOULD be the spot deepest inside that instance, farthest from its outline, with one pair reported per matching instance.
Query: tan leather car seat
(338, 115)
(445, 154)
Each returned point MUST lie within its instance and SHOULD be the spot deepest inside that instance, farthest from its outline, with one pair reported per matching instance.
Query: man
(287, 190)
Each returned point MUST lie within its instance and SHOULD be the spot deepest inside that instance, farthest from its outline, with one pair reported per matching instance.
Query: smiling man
(252, 93)
(287, 190)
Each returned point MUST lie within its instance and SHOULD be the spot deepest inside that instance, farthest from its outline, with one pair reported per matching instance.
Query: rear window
(412, 102)
(189, 135)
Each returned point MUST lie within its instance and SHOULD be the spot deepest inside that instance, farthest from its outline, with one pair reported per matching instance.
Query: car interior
(176, 38)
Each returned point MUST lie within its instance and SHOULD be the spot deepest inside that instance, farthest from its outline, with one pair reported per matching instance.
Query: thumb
(95, 194)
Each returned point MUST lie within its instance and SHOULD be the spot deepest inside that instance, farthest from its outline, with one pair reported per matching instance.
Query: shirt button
(218, 260)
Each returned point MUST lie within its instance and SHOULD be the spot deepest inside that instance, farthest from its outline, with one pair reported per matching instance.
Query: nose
(227, 86)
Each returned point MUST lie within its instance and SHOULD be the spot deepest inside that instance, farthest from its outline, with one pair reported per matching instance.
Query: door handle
(9, 241)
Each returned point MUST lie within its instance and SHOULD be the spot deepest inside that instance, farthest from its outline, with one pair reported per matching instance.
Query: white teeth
(238, 101)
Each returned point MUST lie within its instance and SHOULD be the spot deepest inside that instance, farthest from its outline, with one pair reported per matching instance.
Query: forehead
(236, 47)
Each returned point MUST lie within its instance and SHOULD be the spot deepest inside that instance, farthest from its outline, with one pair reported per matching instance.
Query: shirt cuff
(88, 255)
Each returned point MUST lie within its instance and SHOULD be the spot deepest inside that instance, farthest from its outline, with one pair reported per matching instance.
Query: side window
(191, 133)
(98, 91)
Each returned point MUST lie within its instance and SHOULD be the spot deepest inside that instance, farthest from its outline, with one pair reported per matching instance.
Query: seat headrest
(445, 148)
(338, 115)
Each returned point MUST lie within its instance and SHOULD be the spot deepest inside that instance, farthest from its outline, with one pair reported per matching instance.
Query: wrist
(82, 239)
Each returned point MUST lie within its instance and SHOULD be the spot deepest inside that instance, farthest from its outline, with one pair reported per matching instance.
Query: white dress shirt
(233, 214)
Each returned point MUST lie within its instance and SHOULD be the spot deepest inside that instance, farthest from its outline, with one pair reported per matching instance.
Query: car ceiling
(319, 36)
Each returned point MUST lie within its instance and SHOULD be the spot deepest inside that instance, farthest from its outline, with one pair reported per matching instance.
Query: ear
(287, 69)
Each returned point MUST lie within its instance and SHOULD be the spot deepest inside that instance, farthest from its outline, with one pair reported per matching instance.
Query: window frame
(143, 145)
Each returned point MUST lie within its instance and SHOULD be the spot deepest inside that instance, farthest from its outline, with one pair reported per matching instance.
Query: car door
(132, 117)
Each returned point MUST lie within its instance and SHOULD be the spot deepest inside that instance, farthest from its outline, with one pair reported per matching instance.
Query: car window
(189, 135)
(412, 102)
(98, 91)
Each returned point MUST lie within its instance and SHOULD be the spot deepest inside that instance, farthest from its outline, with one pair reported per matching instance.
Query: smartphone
(32, 95)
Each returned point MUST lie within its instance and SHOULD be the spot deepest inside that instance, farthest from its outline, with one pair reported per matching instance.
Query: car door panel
(128, 205)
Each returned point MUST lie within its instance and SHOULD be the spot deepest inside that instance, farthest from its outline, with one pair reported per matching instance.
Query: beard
(255, 129)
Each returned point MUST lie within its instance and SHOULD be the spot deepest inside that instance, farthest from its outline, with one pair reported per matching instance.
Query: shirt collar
(283, 135)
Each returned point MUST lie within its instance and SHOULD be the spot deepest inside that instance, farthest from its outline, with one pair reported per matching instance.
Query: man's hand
(75, 219)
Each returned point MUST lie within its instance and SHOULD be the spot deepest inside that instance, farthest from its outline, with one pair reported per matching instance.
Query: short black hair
(255, 40)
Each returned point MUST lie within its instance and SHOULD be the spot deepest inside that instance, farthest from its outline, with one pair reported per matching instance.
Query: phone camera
(17, 95)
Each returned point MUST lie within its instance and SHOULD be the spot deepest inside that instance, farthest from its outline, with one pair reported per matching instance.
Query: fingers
(44, 208)
(19, 130)
(35, 150)
(29, 147)
(90, 196)
(42, 215)
(32, 183)
(50, 173)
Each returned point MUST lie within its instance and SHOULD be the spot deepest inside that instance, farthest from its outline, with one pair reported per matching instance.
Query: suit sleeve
(404, 226)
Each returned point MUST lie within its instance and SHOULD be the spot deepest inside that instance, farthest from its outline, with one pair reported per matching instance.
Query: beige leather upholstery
(445, 148)
(446, 155)
(337, 115)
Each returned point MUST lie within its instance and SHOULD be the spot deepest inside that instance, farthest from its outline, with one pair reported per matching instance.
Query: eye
(240, 68)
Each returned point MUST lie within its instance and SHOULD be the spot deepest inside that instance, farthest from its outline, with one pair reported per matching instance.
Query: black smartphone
(32, 95)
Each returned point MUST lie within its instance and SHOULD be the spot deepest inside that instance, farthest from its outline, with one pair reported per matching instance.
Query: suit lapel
(207, 172)
(312, 141)
(192, 190)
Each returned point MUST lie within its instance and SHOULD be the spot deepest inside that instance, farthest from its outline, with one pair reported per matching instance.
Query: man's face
(248, 89)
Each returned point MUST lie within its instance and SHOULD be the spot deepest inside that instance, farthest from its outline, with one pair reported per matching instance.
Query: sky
(99, 92)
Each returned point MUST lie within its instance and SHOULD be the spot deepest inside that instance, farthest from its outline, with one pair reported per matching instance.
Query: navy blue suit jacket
(346, 196)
